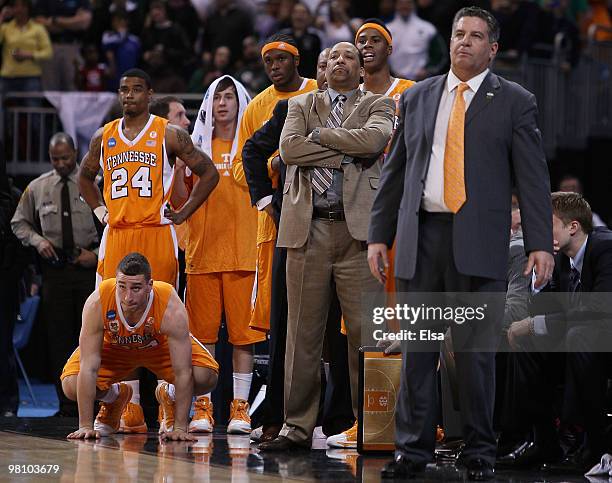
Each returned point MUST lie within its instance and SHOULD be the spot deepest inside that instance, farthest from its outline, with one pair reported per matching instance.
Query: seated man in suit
(581, 325)
(328, 194)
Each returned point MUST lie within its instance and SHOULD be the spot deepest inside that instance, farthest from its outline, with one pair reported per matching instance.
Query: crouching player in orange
(129, 322)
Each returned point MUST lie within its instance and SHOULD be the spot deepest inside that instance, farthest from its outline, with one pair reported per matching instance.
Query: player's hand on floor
(177, 436)
(84, 433)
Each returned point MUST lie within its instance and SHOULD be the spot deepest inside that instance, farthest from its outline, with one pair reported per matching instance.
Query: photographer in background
(52, 218)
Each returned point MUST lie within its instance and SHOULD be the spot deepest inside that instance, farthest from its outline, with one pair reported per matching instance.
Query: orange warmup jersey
(137, 174)
(258, 112)
(395, 92)
(222, 231)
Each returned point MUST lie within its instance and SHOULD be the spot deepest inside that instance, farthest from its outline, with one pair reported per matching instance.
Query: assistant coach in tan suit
(331, 142)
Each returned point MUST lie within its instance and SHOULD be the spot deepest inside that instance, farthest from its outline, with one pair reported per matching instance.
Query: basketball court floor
(36, 449)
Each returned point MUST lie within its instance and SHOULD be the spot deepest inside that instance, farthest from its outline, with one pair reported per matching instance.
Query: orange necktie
(454, 181)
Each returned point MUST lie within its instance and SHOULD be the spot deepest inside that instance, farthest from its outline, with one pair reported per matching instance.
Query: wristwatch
(532, 326)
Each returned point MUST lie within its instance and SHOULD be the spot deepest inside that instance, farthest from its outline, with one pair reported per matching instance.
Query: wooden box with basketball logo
(379, 383)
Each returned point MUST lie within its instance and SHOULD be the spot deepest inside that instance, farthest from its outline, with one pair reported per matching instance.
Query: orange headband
(280, 46)
(374, 26)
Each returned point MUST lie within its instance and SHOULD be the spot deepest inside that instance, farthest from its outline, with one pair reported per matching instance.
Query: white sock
(171, 391)
(111, 395)
(242, 385)
(135, 385)
(208, 395)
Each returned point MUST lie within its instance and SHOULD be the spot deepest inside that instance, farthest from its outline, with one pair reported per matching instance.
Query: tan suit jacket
(366, 128)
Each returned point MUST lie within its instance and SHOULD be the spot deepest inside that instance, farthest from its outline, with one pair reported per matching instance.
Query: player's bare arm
(176, 328)
(90, 165)
(179, 144)
(90, 344)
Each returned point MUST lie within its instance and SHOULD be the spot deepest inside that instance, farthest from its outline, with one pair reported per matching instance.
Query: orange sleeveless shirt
(145, 335)
(137, 175)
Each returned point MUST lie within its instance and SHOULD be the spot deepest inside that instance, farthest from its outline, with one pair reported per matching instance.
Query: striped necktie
(322, 177)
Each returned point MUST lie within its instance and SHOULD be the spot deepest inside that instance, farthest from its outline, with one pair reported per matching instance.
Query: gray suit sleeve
(517, 296)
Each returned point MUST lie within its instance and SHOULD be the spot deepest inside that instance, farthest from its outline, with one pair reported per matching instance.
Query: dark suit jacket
(255, 154)
(595, 280)
(501, 139)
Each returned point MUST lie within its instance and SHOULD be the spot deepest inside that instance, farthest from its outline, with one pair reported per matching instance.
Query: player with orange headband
(375, 43)
(281, 59)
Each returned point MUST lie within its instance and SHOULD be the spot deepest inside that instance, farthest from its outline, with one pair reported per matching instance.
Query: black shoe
(529, 453)
(479, 470)
(282, 443)
(270, 433)
(578, 462)
(401, 468)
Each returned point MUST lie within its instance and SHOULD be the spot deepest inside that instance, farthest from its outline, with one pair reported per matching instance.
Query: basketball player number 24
(140, 181)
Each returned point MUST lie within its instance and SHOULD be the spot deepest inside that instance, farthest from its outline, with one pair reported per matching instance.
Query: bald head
(344, 67)
(62, 154)
(61, 137)
(321, 68)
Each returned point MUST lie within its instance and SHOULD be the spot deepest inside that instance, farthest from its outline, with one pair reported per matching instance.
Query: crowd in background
(184, 46)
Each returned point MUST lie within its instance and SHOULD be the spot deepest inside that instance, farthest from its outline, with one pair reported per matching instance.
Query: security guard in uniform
(53, 218)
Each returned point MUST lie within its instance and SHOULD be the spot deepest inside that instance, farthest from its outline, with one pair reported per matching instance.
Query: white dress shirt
(433, 194)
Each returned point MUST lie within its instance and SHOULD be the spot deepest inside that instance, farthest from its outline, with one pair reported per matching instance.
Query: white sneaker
(346, 439)
(240, 422)
(202, 421)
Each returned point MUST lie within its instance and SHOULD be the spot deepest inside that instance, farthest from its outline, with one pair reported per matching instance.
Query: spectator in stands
(251, 72)
(307, 38)
(418, 49)
(67, 22)
(555, 19)
(337, 26)
(53, 218)
(165, 45)
(440, 13)
(266, 20)
(121, 48)
(24, 44)
(518, 21)
(574, 10)
(93, 75)
(102, 17)
(181, 12)
(386, 10)
(204, 77)
(227, 25)
(600, 14)
(572, 184)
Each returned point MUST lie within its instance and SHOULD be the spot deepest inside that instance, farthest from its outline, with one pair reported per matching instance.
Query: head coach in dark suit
(445, 198)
